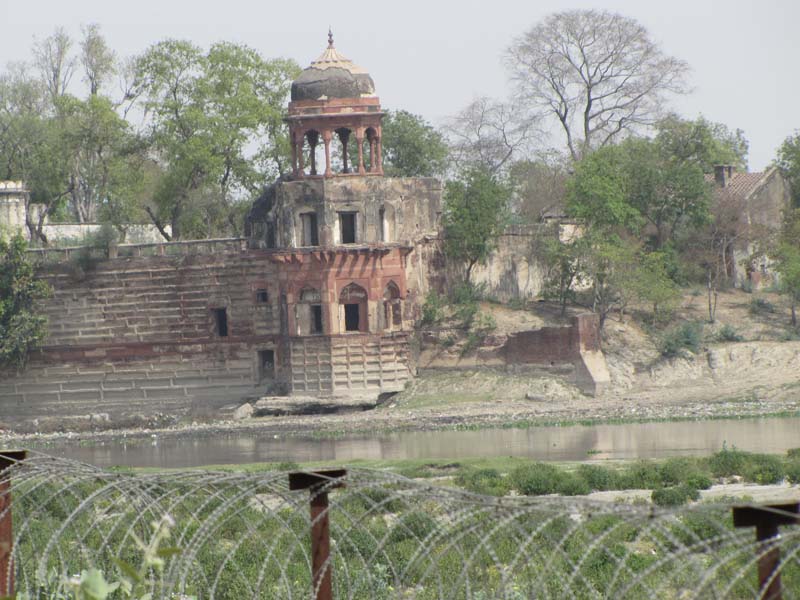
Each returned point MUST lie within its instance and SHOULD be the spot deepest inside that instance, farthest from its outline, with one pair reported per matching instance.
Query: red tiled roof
(740, 185)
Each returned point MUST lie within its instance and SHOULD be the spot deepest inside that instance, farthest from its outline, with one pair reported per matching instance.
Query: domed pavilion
(334, 101)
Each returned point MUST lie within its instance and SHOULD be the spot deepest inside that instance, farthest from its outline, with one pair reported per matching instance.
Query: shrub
(536, 479)
(760, 306)
(642, 475)
(686, 336)
(793, 453)
(484, 481)
(793, 471)
(432, 309)
(728, 334)
(790, 335)
(678, 470)
(468, 293)
(573, 485)
(413, 526)
(22, 327)
(598, 478)
(675, 495)
(763, 469)
(699, 481)
(727, 462)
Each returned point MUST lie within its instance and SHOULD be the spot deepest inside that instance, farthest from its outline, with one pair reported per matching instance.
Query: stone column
(300, 159)
(326, 136)
(371, 154)
(294, 157)
(360, 142)
(378, 160)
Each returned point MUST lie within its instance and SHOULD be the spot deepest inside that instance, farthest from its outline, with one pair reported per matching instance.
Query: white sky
(433, 57)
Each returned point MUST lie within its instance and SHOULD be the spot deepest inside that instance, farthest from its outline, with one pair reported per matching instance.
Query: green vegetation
(728, 333)
(21, 327)
(412, 147)
(676, 341)
(475, 214)
(789, 163)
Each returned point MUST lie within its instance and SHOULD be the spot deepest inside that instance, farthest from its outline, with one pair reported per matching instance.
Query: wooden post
(8, 458)
(318, 483)
(766, 520)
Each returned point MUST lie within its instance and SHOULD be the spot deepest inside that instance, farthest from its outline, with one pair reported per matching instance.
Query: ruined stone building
(317, 301)
(754, 203)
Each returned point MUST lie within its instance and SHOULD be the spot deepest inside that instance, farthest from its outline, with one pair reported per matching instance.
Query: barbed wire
(200, 534)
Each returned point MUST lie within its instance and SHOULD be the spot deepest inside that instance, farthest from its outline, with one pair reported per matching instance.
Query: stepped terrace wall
(187, 329)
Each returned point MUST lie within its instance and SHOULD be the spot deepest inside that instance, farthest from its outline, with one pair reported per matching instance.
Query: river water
(570, 443)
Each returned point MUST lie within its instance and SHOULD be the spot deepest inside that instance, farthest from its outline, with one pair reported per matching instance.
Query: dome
(332, 76)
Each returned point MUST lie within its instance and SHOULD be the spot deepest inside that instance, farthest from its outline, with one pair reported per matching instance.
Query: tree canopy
(412, 147)
(789, 164)
(597, 73)
(639, 186)
(475, 214)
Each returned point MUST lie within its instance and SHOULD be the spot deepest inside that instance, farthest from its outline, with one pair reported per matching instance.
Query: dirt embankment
(757, 376)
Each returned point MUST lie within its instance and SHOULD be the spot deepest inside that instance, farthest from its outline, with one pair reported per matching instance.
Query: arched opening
(340, 156)
(353, 309)
(308, 313)
(392, 307)
(312, 151)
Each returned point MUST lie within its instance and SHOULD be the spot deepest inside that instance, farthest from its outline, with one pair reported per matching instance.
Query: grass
(498, 476)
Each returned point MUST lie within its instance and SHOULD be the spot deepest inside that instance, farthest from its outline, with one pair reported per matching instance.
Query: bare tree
(56, 66)
(97, 59)
(488, 133)
(540, 186)
(597, 72)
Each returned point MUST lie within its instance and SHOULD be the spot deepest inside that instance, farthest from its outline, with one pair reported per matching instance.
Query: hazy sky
(433, 57)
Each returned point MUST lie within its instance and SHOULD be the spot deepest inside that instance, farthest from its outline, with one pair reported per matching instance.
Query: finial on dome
(330, 38)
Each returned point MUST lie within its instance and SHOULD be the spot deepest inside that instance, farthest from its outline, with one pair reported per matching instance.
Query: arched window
(353, 308)
(308, 313)
(392, 307)
(314, 160)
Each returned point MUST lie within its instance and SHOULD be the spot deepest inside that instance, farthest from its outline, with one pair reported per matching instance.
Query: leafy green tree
(702, 142)
(787, 256)
(598, 192)
(21, 328)
(475, 214)
(206, 109)
(412, 147)
(640, 187)
(99, 144)
(650, 283)
(566, 261)
(789, 164)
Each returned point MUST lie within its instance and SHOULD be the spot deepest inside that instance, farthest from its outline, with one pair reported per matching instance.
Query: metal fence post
(766, 520)
(318, 483)
(8, 458)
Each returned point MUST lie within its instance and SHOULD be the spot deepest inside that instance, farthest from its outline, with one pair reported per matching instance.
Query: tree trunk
(794, 312)
(157, 222)
(469, 271)
(712, 293)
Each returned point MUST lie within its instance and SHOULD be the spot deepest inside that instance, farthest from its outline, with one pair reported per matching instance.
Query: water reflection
(574, 443)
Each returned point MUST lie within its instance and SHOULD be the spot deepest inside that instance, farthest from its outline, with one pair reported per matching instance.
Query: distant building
(758, 200)
(15, 207)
